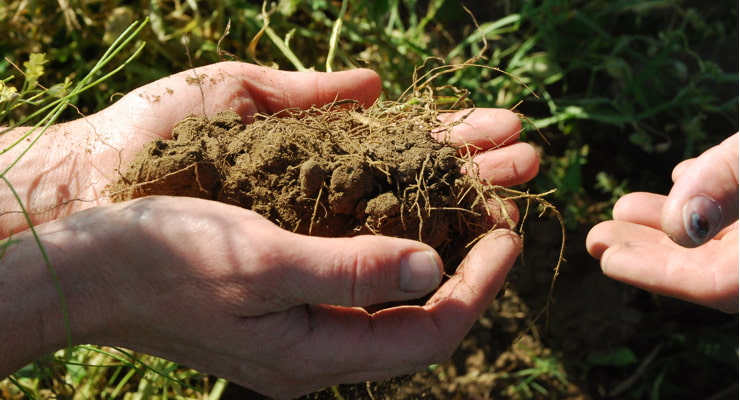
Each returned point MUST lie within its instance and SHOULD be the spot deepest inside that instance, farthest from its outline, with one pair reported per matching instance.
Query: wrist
(41, 170)
(48, 306)
(64, 171)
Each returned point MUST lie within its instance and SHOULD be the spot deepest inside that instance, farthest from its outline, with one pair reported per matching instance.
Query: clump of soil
(326, 172)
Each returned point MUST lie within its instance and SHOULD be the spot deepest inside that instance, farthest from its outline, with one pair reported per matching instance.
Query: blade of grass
(334, 39)
(281, 45)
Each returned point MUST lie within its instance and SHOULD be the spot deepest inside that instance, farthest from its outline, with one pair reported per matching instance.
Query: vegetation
(615, 92)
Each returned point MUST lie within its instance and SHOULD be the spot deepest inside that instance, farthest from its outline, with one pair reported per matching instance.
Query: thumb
(275, 90)
(704, 197)
(358, 271)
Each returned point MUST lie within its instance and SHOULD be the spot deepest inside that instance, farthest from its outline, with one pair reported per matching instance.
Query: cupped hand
(646, 243)
(152, 111)
(222, 290)
(69, 168)
(283, 310)
(73, 163)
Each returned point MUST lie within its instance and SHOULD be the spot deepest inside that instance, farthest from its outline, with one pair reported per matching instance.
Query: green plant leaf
(616, 357)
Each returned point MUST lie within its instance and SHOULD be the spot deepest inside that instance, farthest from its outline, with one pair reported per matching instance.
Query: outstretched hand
(683, 245)
(220, 288)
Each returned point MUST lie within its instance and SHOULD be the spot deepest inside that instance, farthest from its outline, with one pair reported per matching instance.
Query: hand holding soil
(221, 288)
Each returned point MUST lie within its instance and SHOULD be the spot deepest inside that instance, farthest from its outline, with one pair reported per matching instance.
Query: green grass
(110, 373)
(621, 89)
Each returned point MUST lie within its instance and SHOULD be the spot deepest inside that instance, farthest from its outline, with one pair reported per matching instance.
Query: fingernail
(701, 218)
(420, 272)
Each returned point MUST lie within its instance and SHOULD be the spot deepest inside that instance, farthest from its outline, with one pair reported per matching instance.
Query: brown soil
(324, 172)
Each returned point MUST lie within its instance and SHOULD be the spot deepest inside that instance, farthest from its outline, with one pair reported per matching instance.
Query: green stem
(334, 39)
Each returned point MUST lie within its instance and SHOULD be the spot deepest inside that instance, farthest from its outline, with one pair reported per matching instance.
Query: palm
(151, 112)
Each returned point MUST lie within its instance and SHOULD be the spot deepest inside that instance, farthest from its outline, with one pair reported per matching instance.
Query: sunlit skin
(683, 245)
(219, 288)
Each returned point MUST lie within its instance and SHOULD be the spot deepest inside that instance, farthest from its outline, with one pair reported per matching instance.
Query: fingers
(454, 308)
(704, 197)
(640, 208)
(502, 212)
(403, 339)
(244, 88)
(621, 233)
(646, 258)
(480, 129)
(679, 169)
(490, 135)
(359, 271)
(507, 166)
(461, 300)
(277, 90)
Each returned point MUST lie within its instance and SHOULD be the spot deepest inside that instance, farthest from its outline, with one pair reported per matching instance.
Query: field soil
(325, 172)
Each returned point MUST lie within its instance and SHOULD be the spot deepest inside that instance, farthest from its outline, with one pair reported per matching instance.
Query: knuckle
(363, 275)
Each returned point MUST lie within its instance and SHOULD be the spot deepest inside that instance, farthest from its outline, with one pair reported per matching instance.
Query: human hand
(223, 290)
(71, 165)
(700, 214)
(69, 168)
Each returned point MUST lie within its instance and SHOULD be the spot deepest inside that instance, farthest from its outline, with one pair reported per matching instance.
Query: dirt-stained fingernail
(701, 218)
(421, 272)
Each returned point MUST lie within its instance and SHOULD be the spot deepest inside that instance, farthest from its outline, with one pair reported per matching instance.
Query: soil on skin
(323, 172)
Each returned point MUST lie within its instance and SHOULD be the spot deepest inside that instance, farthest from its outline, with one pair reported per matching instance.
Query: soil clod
(325, 172)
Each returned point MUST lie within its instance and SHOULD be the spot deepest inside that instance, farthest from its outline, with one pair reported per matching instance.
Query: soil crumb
(334, 172)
